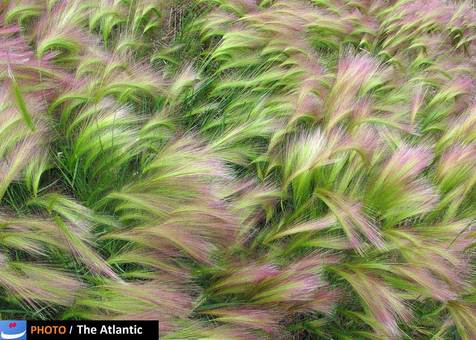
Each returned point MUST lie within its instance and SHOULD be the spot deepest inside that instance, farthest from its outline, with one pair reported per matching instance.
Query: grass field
(241, 169)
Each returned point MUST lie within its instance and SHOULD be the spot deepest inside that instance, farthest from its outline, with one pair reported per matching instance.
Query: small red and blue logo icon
(12, 329)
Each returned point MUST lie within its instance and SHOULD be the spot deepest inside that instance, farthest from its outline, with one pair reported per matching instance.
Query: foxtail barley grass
(241, 169)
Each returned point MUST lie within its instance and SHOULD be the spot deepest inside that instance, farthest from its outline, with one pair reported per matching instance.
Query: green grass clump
(241, 169)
